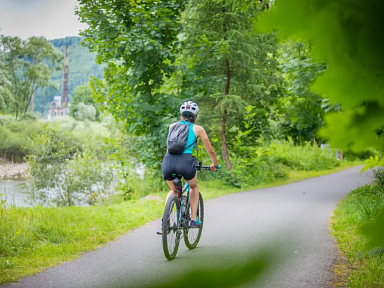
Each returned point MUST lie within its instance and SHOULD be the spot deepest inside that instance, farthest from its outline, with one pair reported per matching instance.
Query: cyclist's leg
(172, 187)
(193, 196)
(168, 169)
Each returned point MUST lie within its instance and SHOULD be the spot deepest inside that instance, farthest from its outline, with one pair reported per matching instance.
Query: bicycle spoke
(170, 228)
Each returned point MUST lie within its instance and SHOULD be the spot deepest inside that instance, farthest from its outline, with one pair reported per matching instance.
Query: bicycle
(177, 216)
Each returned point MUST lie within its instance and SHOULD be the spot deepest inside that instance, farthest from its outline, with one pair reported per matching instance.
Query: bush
(81, 134)
(14, 137)
(257, 167)
(63, 179)
(360, 155)
(306, 157)
(253, 165)
(83, 112)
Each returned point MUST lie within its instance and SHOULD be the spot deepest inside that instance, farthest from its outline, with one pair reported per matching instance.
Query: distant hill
(81, 65)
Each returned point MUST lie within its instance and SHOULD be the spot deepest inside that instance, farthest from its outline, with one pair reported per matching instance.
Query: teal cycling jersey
(191, 138)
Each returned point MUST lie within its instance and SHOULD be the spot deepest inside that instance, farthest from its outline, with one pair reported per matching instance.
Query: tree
(83, 94)
(27, 68)
(5, 84)
(302, 109)
(138, 41)
(233, 66)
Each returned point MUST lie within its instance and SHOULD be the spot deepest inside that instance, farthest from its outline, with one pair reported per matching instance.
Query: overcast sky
(49, 18)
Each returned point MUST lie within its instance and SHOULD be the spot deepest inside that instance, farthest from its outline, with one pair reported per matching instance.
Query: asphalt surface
(285, 227)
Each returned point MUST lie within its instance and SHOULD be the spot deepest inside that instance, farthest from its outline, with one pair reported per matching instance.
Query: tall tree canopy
(138, 40)
(234, 67)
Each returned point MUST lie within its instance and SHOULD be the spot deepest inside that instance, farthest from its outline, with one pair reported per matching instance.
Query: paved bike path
(290, 223)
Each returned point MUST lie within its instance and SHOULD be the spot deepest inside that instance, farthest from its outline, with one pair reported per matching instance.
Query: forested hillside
(82, 65)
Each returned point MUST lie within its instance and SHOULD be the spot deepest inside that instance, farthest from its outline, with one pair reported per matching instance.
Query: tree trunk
(28, 103)
(227, 161)
(69, 197)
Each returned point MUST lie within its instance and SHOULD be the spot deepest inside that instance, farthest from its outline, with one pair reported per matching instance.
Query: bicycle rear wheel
(170, 228)
(192, 235)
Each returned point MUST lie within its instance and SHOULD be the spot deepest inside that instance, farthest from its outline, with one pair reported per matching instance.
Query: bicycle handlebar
(201, 167)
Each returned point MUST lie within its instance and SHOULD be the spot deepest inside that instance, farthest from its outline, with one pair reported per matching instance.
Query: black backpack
(177, 138)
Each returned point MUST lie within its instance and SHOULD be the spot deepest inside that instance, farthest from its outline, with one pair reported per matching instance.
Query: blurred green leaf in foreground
(374, 230)
(347, 34)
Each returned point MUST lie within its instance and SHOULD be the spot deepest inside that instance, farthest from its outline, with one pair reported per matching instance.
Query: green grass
(33, 239)
(361, 206)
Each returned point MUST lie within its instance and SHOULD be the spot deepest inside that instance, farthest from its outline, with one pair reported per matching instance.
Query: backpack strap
(188, 132)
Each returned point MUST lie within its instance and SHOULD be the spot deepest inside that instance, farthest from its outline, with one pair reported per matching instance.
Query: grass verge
(32, 239)
(359, 207)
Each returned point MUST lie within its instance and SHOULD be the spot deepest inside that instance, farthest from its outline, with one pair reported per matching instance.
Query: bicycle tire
(192, 235)
(170, 228)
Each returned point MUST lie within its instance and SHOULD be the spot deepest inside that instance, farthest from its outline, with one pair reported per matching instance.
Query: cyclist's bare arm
(200, 132)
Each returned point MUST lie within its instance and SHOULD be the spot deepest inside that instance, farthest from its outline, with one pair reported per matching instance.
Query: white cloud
(49, 18)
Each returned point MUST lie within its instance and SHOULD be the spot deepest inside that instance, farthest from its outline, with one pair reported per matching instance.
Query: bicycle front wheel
(170, 228)
(192, 235)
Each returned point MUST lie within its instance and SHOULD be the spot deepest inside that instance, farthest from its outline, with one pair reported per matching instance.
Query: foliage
(375, 233)
(352, 155)
(354, 78)
(138, 42)
(231, 67)
(130, 173)
(373, 163)
(83, 134)
(78, 134)
(83, 112)
(14, 137)
(308, 157)
(27, 69)
(5, 83)
(264, 163)
(302, 109)
(83, 94)
(63, 179)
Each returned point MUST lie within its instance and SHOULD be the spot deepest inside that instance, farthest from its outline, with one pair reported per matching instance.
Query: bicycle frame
(187, 189)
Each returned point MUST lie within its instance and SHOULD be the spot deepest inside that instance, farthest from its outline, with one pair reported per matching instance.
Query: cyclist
(184, 164)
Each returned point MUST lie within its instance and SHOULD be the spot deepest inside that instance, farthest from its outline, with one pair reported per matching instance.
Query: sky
(49, 18)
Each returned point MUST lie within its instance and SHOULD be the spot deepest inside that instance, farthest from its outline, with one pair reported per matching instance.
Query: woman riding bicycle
(184, 164)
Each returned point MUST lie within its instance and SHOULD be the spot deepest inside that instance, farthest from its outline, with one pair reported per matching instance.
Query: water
(14, 192)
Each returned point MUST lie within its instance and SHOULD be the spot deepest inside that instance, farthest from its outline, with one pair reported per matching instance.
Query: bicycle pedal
(159, 233)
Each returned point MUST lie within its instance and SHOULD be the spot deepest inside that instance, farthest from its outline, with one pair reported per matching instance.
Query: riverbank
(9, 170)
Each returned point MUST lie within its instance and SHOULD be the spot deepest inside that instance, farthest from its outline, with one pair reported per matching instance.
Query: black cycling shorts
(183, 164)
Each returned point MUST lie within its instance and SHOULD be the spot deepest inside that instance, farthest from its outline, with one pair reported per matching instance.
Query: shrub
(307, 157)
(62, 179)
(14, 137)
(83, 112)
(264, 163)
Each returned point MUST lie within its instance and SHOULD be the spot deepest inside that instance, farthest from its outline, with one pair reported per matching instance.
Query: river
(14, 192)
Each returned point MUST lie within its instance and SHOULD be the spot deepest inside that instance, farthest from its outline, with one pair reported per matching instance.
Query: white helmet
(189, 106)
